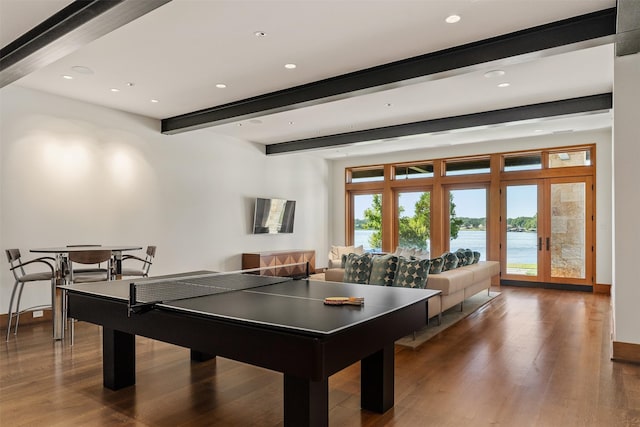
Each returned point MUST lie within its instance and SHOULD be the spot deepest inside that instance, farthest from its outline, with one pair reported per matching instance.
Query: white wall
(76, 173)
(626, 161)
(602, 139)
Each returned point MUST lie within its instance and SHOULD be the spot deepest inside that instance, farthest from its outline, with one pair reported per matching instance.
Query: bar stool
(22, 277)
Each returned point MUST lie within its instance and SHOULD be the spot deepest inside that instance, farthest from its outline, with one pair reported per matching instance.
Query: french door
(547, 231)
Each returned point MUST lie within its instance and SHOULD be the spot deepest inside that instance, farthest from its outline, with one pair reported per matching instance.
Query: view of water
(522, 246)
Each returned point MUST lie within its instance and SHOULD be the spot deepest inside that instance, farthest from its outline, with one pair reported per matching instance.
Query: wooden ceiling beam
(578, 32)
(581, 105)
(79, 23)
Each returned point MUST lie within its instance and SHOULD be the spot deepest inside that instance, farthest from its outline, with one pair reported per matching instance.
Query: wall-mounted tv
(273, 216)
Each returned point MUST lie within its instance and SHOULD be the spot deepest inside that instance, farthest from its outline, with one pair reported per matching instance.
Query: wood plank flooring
(529, 358)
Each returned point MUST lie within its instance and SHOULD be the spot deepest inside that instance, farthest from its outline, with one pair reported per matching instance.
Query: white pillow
(338, 251)
(421, 254)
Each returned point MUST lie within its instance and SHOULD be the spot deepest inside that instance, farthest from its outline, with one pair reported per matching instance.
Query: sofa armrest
(334, 275)
(335, 263)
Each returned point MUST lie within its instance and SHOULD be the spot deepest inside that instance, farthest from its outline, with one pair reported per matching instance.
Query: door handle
(539, 243)
(548, 242)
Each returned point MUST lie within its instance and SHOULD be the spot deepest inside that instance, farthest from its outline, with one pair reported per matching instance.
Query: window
(424, 170)
(414, 220)
(468, 220)
(367, 221)
(445, 204)
(367, 175)
(467, 167)
(521, 162)
(563, 159)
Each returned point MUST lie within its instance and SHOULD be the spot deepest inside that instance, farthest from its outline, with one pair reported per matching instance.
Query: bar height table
(62, 254)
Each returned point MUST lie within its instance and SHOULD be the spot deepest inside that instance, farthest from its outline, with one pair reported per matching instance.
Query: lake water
(522, 246)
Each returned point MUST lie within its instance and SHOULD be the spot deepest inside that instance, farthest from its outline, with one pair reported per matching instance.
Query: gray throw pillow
(476, 257)
(450, 261)
(412, 273)
(357, 268)
(462, 258)
(436, 265)
(383, 270)
(468, 253)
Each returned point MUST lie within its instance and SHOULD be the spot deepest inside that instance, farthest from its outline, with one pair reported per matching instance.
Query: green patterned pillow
(469, 254)
(383, 270)
(436, 265)
(450, 261)
(476, 257)
(462, 258)
(412, 273)
(357, 268)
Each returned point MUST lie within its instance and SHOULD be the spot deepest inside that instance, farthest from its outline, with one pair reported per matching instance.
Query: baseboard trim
(545, 285)
(26, 318)
(600, 288)
(626, 352)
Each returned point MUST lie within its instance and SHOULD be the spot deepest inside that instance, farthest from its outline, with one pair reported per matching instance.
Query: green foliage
(523, 222)
(373, 221)
(413, 231)
(454, 222)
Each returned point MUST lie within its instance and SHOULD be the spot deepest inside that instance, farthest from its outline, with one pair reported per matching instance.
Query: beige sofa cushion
(484, 270)
(452, 281)
(334, 275)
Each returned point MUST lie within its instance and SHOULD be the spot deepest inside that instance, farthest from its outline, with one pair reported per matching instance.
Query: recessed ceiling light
(81, 69)
(494, 73)
(221, 85)
(113, 89)
(452, 19)
(504, 84)
(291, 123)
(260, 34)
(290, 66)
(67, 77)
(388, 104)
(130, 84)
(155, 101)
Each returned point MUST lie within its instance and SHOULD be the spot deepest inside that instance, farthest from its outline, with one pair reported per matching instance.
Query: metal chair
(95, 257)
(87, 275)
(143, 271)
(22, 277)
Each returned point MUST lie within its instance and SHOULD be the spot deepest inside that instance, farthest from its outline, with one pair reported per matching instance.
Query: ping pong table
(272, 322)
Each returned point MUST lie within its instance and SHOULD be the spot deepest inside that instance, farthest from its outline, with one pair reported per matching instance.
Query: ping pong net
(147, 294)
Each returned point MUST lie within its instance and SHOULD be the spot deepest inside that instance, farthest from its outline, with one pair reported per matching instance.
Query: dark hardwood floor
(529, 358)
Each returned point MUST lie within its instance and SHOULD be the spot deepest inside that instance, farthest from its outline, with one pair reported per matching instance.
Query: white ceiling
(177, 54)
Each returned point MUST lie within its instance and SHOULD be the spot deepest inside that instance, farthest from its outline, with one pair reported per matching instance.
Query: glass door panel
(546, 236)
(567, 237)
(521, 230)
(468, 220)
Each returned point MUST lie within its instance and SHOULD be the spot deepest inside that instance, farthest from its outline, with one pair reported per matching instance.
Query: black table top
(66, 249)
(291, 305)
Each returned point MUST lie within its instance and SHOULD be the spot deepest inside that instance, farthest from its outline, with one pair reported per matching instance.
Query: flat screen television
(273, 216)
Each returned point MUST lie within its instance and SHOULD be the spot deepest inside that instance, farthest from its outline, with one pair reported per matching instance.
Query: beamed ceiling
(369, 77)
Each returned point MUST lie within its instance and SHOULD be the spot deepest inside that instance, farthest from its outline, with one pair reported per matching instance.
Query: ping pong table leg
(306, 402)
(376, 380)
(118, 359)
(198, 356)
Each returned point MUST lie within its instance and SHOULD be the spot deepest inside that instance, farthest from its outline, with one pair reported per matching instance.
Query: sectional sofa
(456, 284)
